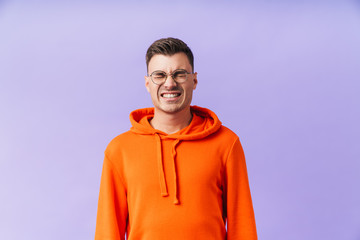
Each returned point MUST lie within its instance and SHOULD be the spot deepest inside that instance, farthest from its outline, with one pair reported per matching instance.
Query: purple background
(285, 76)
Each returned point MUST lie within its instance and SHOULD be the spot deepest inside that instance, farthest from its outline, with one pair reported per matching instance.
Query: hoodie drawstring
(162, 180)
(163, 186)
(173, 153)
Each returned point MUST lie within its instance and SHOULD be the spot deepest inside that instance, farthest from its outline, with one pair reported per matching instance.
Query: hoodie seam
(112, 165)
(226, 162)
(231, 149)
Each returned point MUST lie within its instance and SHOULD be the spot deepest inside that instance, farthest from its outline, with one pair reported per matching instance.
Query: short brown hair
(169, 46)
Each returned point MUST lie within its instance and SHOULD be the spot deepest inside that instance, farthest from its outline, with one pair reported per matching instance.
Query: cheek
(154, 91)
(189, 89)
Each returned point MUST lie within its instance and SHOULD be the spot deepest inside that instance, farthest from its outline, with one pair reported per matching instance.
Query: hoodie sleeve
(112, 206)
(238, 204)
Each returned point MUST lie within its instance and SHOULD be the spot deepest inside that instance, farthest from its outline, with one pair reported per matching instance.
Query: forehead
(169, 63)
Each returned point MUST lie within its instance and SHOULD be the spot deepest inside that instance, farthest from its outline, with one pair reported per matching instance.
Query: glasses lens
(180, 76)
(158, 77)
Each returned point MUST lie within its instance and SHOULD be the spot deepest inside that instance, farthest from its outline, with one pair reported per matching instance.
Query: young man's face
(170, 96)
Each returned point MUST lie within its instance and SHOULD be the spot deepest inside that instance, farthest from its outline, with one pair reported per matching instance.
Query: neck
(171, 122)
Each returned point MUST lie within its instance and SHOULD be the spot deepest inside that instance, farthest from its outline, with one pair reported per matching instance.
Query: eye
(180, 74)
(158, 75)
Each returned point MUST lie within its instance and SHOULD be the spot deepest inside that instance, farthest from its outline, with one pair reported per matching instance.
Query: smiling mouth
(170, 95)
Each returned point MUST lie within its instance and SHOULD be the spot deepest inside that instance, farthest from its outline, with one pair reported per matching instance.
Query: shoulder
(120, 138)
(226, 134)
(118, 142)
(223, 141)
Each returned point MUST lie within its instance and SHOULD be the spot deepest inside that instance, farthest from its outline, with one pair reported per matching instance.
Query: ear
(147, 83)
(195, 80)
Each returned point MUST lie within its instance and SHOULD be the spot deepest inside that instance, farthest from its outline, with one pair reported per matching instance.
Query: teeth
(170, 95)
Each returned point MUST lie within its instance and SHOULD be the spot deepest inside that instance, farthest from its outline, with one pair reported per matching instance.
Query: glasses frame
(167, 75)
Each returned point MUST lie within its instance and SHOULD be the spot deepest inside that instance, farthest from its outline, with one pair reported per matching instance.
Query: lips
(170, 95)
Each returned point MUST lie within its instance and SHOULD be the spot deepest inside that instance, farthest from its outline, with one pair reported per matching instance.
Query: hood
(203, 123)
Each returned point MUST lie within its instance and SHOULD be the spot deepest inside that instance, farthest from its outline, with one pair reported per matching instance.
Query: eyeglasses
(179, 76)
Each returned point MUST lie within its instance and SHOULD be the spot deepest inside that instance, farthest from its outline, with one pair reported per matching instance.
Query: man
(178, 173)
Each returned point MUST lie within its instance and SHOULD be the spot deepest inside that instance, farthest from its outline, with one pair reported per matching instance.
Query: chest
(192, 165)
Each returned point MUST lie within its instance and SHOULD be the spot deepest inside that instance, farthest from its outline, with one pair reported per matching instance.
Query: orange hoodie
(185, 185)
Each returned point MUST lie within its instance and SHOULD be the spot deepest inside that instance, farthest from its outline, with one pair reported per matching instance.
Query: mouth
(170, 96)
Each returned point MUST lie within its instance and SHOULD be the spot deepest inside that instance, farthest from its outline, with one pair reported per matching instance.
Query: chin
(171, 108)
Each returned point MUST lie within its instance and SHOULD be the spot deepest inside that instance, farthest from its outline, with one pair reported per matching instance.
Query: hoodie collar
(204, 123)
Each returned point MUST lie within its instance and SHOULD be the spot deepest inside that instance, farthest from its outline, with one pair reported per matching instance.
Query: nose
(169, 82)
